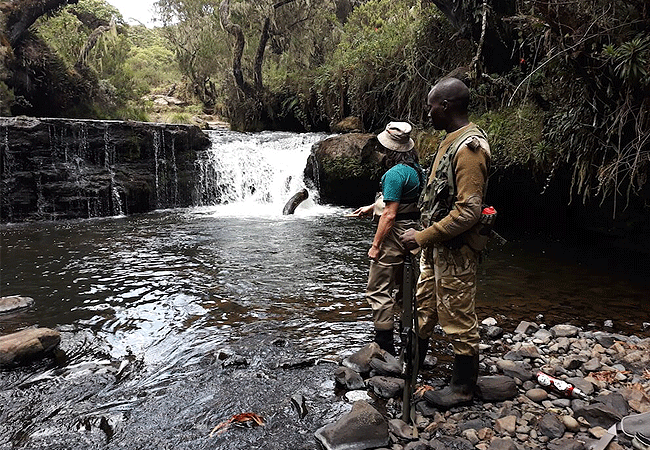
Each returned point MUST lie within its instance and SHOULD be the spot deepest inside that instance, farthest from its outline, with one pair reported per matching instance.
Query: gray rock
(386, 364)
(502, 444)
(401, 429)
(494, 332)
(419, 445)
(14, 303)
(516, 369)
(599, 414)
(565, 330)
(359, 361)
(448, 443)
(27, 344)
(348, 378)
(355, 396)
(526, 328)
(615, 401)
(582, 384)
(496, 388)
(565, 444)
(386, 387)
(604, 339)
(551, 426)
(593, 365)
(474, 424)
(362, 428)
(543, 335)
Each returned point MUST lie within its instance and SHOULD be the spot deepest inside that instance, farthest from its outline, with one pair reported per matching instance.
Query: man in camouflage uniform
(451, 240)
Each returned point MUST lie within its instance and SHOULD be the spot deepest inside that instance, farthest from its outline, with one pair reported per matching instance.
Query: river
(176, 320)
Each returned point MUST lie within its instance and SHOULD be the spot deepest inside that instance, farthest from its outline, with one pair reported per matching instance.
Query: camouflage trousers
(446, 293)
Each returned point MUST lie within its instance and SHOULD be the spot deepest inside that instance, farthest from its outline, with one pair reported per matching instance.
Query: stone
(489, 322)
(506, 425)
(362, 428)
(350, 124)
(359, 361)
(14, 303)
(494, 332)
(582, 384)
(419, 445)
(565, 444)
(551, 426)
(502, 444)
(515, 369)
(386, 387)
(27, 344)
(543, 335)
(348, 378)
(447, 443)
(400, 429)
(496, 388)
(570, 423)
(355, 396)
(537, 395)
(565, 330)
(525, 327)
(592, 365)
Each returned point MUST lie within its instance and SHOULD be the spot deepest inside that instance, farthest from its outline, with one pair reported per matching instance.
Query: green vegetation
(556, 84)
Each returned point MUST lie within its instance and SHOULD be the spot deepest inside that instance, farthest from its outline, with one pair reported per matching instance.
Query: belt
(408, 216)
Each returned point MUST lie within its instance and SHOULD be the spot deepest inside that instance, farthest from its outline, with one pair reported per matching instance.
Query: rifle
(409, 357)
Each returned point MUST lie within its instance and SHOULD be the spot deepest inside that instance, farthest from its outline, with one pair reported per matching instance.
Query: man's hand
(364, 211)
(373, 253)
(408, 239)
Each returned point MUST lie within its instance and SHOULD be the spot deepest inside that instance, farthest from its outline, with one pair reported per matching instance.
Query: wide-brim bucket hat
(397, 137)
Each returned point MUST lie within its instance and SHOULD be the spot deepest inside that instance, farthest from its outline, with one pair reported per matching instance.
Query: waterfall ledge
(69, 169)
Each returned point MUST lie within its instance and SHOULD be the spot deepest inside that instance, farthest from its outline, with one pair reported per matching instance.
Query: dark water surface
(152, 307)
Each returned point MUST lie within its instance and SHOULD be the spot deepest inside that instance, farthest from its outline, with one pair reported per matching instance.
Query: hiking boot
(386, 364)
(385, 340)
(461, 388)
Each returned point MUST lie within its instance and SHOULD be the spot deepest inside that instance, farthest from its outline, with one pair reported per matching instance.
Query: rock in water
(362, 428)
(294, 201)
(26, 344)
(14, 302)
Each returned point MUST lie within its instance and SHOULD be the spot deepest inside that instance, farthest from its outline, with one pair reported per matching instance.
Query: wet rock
(503, 444)
(348, 378)
(496, 388)
(386, 364)
(362, 428)
(27, 344)
(430, 362)
(522, 351)
(515, 369)
(359, 361)
(386, 387)
(14, 303)
(551, 426)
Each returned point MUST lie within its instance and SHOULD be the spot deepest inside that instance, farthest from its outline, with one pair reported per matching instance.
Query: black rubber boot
(461, 389)
(385, 340)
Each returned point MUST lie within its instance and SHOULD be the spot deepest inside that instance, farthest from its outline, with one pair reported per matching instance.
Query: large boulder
(362, 428)
(346, 169)
(27, 344)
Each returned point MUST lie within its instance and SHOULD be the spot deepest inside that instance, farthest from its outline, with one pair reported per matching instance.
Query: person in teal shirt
(396, 210)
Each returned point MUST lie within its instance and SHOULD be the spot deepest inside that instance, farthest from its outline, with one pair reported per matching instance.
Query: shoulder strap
(453, 149)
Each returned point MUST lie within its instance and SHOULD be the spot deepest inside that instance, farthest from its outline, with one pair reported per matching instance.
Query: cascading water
(253, 174)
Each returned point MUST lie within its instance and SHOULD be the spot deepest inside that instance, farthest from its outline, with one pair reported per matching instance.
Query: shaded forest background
(561, 86)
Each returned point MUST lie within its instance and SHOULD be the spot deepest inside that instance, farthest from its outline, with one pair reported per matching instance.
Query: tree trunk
(236, 31)
(259, 56)
(22, 14)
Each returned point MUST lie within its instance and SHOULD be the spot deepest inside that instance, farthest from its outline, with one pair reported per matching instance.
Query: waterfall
(254, 173)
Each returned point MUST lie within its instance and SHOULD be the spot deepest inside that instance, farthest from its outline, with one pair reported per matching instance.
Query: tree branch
(22, 14)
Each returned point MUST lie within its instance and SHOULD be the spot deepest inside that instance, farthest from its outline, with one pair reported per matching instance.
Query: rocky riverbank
(511, 411)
